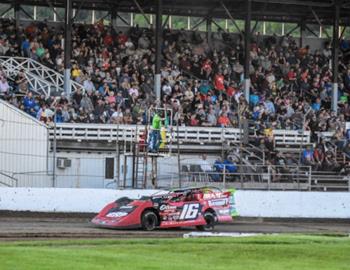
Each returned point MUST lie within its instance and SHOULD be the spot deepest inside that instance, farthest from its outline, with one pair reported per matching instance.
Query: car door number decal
(189, 211)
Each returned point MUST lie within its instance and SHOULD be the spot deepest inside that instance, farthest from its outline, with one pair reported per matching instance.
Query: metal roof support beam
(298, 3)
(247, 41)
(105, 16)
(159, 35)
(292, 30)
(319, 21)
(16, 8)
(122, 19)
(54, 10)
(199, 23)
(302, 33)
(142, 12)
(26, 13)
(231, 17)
(166, 21)
(114, 14)
(254, 27)
(217, 25)
(5, 11)
(335, 56)
(68, 45)
(209, 32)
(310, 30)
(342, 32)
(78, 10)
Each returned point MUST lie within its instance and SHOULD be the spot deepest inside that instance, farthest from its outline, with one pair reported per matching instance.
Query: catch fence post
(224, 177)
(310, 178)
(269, 177)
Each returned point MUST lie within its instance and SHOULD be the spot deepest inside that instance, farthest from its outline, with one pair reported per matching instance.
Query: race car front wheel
(210, 219)
(149, 220)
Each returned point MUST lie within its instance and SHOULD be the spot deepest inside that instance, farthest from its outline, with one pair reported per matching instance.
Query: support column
(335, 56)
(159, 34)
(247, 41)
(16, 9)
(209, 31)
(114, 18)
(67, 45)
(302, 33)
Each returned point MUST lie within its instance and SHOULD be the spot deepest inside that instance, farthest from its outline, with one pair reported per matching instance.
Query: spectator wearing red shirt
(223, 120)
(206, 68)
(122, 38)
(108, 40)
(292, 76)
(219, 82)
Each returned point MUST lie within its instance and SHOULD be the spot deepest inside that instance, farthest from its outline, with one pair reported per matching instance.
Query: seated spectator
(4, 86)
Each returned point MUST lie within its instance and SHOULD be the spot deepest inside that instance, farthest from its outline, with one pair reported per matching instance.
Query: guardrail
(214, 135)
(259, 177)
(249, 177)
(40, 77)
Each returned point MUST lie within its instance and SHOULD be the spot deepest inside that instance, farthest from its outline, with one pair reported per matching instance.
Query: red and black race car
(200, 207)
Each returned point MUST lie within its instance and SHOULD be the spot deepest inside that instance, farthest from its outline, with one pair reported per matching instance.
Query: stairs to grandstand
(250, 155)
(41, 79)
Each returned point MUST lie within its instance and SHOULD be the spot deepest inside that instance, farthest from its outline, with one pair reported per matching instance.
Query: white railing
(41, 79)
(110, 132)
(291, 137)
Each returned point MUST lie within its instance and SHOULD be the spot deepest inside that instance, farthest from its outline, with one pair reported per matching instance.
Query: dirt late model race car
(200, 207)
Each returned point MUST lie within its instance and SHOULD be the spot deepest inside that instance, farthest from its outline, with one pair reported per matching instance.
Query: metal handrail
(299, 177)
(35, 70)
(13, 179)
(108, 132)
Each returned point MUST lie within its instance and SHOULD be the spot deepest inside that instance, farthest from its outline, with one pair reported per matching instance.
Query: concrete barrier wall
(293, 204)
(63, 199)
(284, 204)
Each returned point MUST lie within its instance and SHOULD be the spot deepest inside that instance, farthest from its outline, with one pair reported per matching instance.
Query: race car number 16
(189, 211)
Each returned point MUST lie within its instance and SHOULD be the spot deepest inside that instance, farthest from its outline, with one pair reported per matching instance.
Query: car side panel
(181, 214)
(132, 220)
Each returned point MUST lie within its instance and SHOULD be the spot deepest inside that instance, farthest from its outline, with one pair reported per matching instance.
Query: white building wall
(23, 148)
(87, 170)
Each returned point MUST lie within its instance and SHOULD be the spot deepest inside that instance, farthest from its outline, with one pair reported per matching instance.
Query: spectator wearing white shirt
(4, 86)
(205, 164)
(88, 85)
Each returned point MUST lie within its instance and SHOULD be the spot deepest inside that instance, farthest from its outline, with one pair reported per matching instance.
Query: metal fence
(264, 177)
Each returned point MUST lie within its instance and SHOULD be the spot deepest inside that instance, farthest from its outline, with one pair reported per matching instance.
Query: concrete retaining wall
(293, 204)
(63, 199)
(283, 204)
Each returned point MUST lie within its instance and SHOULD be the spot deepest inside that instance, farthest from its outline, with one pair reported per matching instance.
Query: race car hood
(119, 212)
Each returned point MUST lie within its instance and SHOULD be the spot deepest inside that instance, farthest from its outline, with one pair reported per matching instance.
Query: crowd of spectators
(201, 84)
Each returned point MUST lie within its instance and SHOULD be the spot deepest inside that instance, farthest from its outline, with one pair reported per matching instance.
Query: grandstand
(275, 106)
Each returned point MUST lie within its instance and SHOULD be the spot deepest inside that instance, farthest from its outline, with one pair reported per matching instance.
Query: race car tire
(149, 220)
(210, 219)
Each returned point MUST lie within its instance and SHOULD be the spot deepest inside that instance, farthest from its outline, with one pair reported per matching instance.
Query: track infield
(257, 252)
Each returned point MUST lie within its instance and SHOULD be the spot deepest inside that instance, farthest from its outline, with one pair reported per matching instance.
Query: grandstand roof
(309, 11)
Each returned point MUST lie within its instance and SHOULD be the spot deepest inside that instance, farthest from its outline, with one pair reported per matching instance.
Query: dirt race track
(14, 226)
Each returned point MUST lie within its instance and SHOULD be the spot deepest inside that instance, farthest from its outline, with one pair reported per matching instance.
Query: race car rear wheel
(210, 219)
(149, 220)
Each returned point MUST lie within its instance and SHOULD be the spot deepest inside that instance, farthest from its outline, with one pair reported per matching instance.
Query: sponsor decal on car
(116, 214)
(218, 202)
(126, 207)
(224, 212)
(166, 207)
